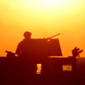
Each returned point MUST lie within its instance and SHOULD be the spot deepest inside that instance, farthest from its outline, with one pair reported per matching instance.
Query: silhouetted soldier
(24, 47)
(25, 52)
(75, 53)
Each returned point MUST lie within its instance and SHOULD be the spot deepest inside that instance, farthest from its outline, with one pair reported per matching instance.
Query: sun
(37, 3)
(43, 5)
(51, 2)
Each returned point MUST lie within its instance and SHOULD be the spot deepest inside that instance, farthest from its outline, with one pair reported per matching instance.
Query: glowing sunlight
(44, 18)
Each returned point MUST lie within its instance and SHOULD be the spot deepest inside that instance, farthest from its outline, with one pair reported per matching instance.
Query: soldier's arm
(76, 51)
(18, 50)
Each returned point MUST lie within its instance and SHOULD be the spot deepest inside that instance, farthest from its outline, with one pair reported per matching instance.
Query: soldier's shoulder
(21, 42)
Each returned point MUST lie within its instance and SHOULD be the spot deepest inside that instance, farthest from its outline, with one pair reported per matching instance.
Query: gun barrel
(53, 36)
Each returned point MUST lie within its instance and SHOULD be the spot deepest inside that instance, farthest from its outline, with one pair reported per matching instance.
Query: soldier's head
(27, 35)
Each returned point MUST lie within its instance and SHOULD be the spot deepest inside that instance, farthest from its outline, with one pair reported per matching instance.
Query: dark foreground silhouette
(55, 71)
(21, 69)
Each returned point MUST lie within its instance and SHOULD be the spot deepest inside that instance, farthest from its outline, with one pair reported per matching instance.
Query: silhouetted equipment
(16, 71)
(10, 54)
(43, 47)
(55, 71)
(53, 36)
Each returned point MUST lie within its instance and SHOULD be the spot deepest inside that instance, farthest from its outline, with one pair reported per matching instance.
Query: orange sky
(43, 18)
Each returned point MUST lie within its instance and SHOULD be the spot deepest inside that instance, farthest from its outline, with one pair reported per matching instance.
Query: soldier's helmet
(27, 34)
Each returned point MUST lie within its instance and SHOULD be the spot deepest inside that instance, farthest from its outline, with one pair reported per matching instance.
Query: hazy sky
(43, 18)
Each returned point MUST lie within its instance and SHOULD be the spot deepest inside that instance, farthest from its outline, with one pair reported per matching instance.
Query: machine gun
(53, 36)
